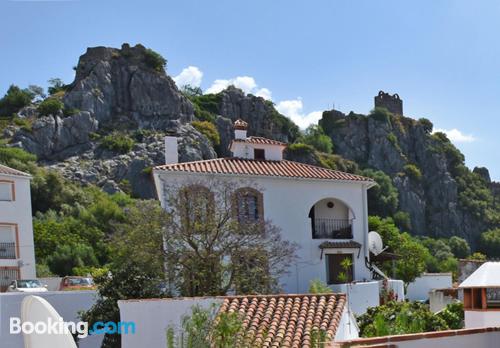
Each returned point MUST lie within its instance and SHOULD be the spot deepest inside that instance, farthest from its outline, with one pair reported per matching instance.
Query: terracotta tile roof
(240, 124)
(11, 171)
(286, 320)
(241, 166)
(348, 244)
(260, 140)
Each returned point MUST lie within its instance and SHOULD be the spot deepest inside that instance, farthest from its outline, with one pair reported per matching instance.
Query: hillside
(107, 127)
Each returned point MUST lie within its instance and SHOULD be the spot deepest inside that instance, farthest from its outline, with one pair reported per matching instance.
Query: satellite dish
(35, 309)
(375, 243)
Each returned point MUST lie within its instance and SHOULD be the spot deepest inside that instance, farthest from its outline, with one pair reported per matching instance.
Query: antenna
(375, 244)
(35, 309)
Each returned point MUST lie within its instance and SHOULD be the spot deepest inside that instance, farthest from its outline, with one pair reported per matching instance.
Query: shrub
(209, 130)
(50, 106)
(118, 142)
(380, 114)
(12, 155)
(316, 286)
(383, 199)
(412, 171)
(14, 100)
(316, 137)
(426, 124)
(489, 243)
(453, 315)
(391, 137)
(67, 257)
(402, 220)
(154, 60)
(459, 247)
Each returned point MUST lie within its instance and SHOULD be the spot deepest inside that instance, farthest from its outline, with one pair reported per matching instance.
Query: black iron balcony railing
(7, 250)
(332, 228)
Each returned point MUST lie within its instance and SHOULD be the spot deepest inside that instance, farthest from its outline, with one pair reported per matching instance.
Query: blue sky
(440, 56)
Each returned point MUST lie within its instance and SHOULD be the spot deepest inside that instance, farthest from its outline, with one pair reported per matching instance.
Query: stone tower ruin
(391, 102)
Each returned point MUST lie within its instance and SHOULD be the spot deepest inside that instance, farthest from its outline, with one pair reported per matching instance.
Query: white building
(324, 211)
(17, 252)
(482, 296)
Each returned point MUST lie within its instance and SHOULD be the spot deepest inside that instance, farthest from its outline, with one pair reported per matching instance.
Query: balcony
(8, 250)
(331, 228)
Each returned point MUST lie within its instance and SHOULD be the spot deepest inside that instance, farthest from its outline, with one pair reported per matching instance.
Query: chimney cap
(240, 124)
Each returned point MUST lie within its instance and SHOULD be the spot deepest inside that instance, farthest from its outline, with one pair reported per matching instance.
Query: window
(259, 154)
(197, 203)
(339, 268)
(248, 205)
(7, 242)
(6, 191)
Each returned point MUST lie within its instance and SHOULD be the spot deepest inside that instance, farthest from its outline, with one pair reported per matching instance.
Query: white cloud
(264, 93)
(294, 110)
(245, 83)
(457, 136)
(191, 75)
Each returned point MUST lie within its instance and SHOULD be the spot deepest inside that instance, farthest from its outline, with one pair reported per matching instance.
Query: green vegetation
(397, 318)
(380, 114)
(489, 242)
(412, 172)
(14, 100)
(209, 130)
(426, 124)
(316, 137)
(316, 286)
(56, 87)
(154, 60)
(50, 106)
(118, 142)
(382, 199)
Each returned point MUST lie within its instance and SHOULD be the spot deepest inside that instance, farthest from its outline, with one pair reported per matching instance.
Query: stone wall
(391, 102)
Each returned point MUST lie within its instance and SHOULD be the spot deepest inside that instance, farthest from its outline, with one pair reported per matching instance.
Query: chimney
(240, 129)
(171, 151)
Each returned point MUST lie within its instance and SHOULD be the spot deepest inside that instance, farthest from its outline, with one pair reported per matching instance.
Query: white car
(26, 285)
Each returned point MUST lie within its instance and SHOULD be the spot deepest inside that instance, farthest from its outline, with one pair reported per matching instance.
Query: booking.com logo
(80, 329)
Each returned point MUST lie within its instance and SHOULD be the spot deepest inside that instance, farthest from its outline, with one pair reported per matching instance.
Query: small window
(259, 154)
(6, 191)
(339, 268)
(248, 205)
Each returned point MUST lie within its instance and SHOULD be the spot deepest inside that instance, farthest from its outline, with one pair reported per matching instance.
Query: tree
(55, 85)
(316, 137)
(383, 198)
(37, 92)
(489, 243)
(67, 257)
(14, 100)
(192, 91)
(124, 281)
(459, 247)
(206, 249)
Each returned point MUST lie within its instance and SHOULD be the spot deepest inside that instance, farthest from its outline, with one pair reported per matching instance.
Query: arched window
(248, 205)
(196, 204)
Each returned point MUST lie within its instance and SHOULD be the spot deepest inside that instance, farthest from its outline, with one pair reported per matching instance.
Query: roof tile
(286, 320)
(11, 171)
(241, 166)
(260, 140)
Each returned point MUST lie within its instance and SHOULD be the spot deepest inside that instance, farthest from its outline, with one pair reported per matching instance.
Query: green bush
(459, 247)
(383, 199)
(413, 172)
(118, 142)
(380, 114)
(154, 60)
(426, 124)
(50, 106)
(13, 156)
(316, 286)
(489, 243)
(209, 130)
(316, 137)
(68, 257)
(453, 315)
(14, 100)
(402, 220)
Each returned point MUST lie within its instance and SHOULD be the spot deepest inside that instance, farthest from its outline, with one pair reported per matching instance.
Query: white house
(17, 252)
(324, 211)
(482, 296)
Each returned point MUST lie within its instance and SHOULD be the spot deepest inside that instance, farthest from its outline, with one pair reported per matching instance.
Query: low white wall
(153, 317)
(438, 300)
(419, 289)
(53, 283)
(66, 303)
(348, 328)
(360, 295)
(398, 287)
(479, 318)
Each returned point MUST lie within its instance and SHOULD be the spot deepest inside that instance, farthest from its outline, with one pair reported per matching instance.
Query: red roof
(286, 320)
(241, 166)
(11, 171)
(260, 140)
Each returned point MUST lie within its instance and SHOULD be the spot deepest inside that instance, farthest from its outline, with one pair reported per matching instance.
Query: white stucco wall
(245, 150)
(152, 318)
(66, 303)
(19, 212)
(438, 300)
(287, 203)
(480, 318)
(348, 328)
(360, 295)
(420, 288)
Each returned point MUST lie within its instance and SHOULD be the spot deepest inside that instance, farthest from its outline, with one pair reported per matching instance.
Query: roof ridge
(12, 171)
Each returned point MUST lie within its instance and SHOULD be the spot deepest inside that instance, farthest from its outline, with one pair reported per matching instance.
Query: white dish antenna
(35, 309)
(375, 243)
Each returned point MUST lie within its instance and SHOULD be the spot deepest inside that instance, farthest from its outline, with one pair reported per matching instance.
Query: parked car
(26, 285)
(77, 283)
